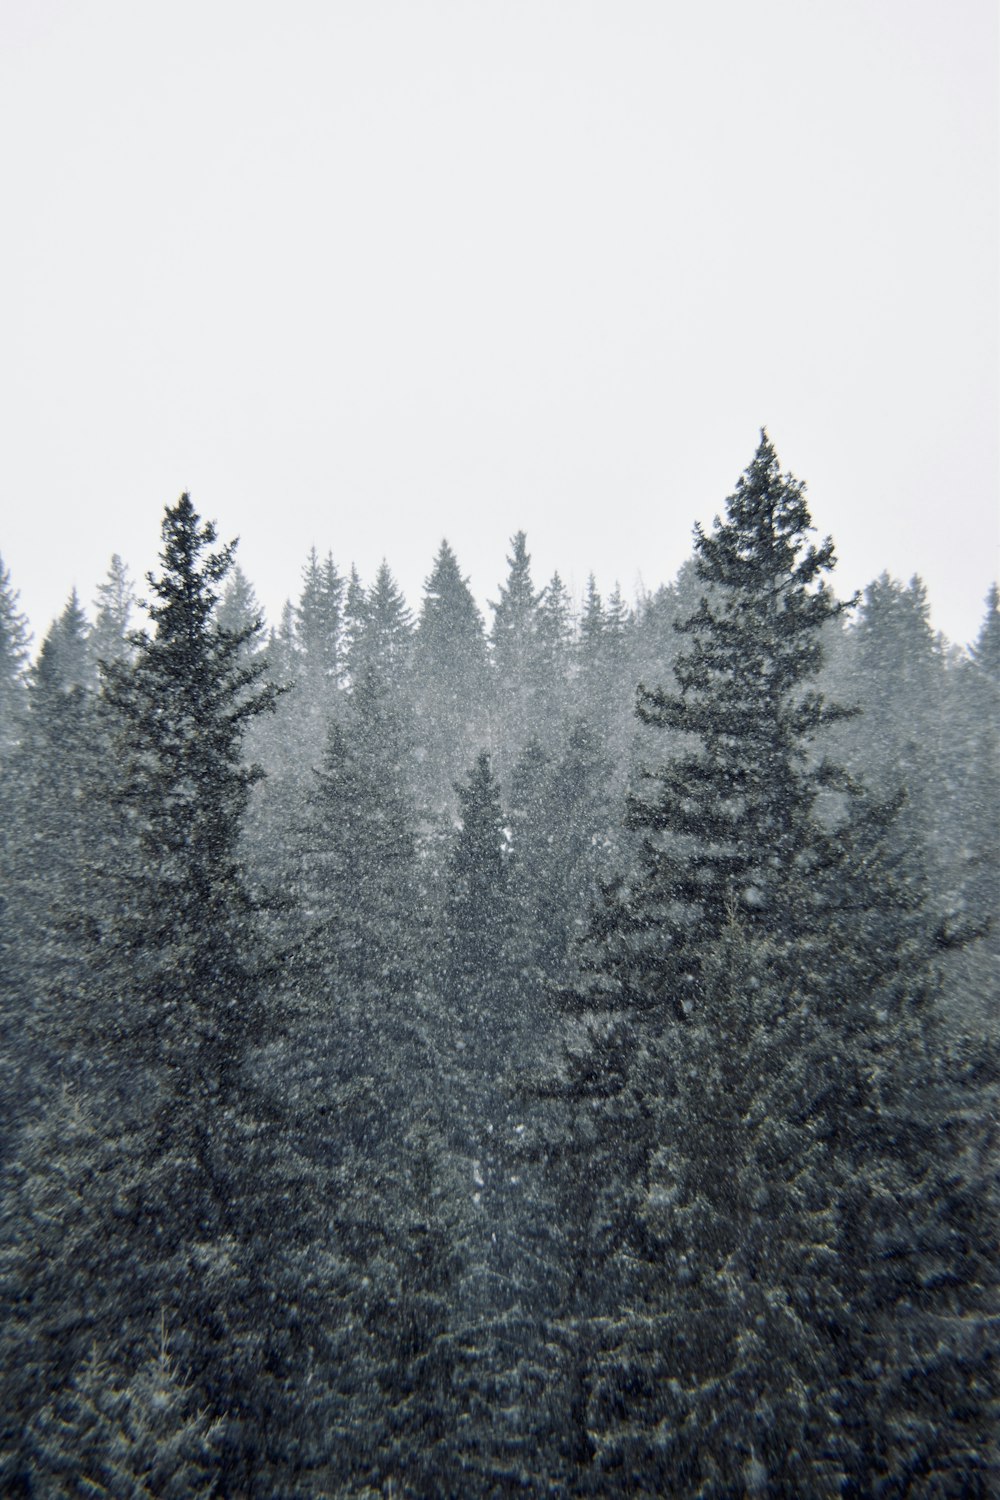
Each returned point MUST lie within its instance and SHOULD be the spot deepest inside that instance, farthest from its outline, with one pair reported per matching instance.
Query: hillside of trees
(551, 1058)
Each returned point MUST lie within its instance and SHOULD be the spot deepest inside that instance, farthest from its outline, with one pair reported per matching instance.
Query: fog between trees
(552, 1059)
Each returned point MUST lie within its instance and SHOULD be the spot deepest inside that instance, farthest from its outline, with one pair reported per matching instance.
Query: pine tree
(52, 815)
(320, 623)
(135, 1439)
(985, 653)
(972, 759)
(239, 612)
(14, 641)
(52, 826)
(732, 819)
(382, 631)
(357, 880)
(181, 711)
(450, 676)
(562, 837)
(180, 1145)
(763, 997)
(553, 656)
(109, 639)
(898, 667)
(514, 642)
(66, 655)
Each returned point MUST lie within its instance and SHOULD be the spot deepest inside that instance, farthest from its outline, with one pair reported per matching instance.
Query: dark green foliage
(182, 930)
(14, 638)
(562, 829)
(53, 827)
(985, 654)
(136, 1439)
(65, 659)
(479, 965)
(356, 878)
(730, 820)
(515, 647)
(757, 995)
(898, 666)
(327, 1171)
(451, 684)
(177, 1190)
(971, 756)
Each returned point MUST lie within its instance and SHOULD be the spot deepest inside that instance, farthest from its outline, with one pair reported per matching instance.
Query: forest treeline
(553, 1059)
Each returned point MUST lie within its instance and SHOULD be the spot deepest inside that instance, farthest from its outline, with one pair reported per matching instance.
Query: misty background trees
(557, 1057)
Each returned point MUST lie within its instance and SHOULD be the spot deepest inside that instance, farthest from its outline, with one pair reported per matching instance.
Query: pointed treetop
(64, 662)
(450, 632)
(14, 633)
(109, 639)
(185, 592)
(986, 651)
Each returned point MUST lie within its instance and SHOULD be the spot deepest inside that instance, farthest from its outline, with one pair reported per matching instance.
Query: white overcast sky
(368, 274)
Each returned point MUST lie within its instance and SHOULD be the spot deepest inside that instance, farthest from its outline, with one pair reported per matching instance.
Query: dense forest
(558, 1058)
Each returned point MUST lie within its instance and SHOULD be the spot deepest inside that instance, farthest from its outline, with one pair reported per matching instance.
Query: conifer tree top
(762, 538)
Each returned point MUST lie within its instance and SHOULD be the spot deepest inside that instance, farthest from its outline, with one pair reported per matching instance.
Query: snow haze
(368, 275)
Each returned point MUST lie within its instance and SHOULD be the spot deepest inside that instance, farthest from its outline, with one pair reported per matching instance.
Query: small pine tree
(109, 639)
(732, 818)
(14, 640)
(514, 642)
(450, 677)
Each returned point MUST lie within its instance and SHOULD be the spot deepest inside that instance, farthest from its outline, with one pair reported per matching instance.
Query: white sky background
(368, 274)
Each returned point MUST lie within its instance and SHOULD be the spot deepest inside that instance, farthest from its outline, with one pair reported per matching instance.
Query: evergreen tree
(450, 671)
(239, 613)
(14, 640)
(182, 708)
(109, 639)
(320, 623)
(972, 758)
(732, 818)
(381, 632)
(355, 615)
(52, 827)
(65, 657)
(483, 1026)
(562, 836)
(282, 646)
(607, 676)
(479, 961)
(178, 1148)
(898, 672)
(145, 1437)
(761, 997)
(357, 880)
(985, 653)
(514, 642)
(553, 655)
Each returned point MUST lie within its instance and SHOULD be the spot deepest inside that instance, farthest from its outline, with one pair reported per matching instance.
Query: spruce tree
(514, 642)
(762, 988)
(450, 677)
(179, 1145)
(731, 820)
(180, 712)
(14, 641)
(320, 625)
(109, 639)
(382, 631)
(551, 684)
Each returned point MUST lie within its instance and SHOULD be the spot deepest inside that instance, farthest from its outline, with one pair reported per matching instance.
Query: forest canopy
(557, 1057)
